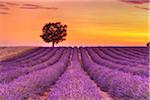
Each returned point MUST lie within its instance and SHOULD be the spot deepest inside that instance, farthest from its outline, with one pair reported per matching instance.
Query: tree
(148, 44)
(54, 32)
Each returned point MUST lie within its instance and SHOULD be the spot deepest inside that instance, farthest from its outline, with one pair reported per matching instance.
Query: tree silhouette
(54, 32)
(148, 44)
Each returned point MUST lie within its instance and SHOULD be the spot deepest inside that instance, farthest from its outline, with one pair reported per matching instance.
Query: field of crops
(9, 52)
(85, 73)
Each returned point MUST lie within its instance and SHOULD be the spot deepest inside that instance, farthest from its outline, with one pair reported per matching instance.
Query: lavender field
(84, 73)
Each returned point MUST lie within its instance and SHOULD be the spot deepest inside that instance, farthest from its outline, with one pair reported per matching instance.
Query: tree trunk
(53, 44)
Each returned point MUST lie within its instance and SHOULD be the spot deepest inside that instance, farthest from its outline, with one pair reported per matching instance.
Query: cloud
(28, 7)
(2, 5)
(9, 3)
(4, 13)
(48, 8)
(136, 1)
(143, 8)
(33, 6)
(4, 8)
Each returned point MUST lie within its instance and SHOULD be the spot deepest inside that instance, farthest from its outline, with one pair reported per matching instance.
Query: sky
(90, 22)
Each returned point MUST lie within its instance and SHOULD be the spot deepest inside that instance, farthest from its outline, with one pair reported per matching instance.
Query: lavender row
(10, 75)
(106, 56)
(31, 59)
(45, 56)
(118, 61)
(27, 62)
(34, 82)
(141, 50)
(129, 53)
(133, 50)
(133, 70)
(75, 83)
(119, 84)
(24, 56)
(136, 52)
(22, 51)
(142, 61)
(123, 53)
(116, 56)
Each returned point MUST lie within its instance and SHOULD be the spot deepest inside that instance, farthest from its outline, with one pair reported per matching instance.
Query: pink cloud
(48, 8)
(24, 7)
(4, 13)
(143, 8)
(4, 8)
(136, 1)
(33, 6)
(2, 5)
(9, 3)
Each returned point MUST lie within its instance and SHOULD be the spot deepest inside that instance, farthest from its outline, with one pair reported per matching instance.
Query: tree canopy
(54, 32)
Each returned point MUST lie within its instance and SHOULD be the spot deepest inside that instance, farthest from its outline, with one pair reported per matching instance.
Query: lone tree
(54, 32)
(148, 44)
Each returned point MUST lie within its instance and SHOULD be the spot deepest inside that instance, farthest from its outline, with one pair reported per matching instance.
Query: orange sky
(92, 23)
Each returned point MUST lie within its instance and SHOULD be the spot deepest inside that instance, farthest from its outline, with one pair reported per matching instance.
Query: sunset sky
(90, 22)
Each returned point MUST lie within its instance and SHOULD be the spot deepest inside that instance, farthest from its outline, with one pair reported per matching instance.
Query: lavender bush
(124, 68)
(34, 82)
(75, 83)
(10, 75)
(119, 84)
